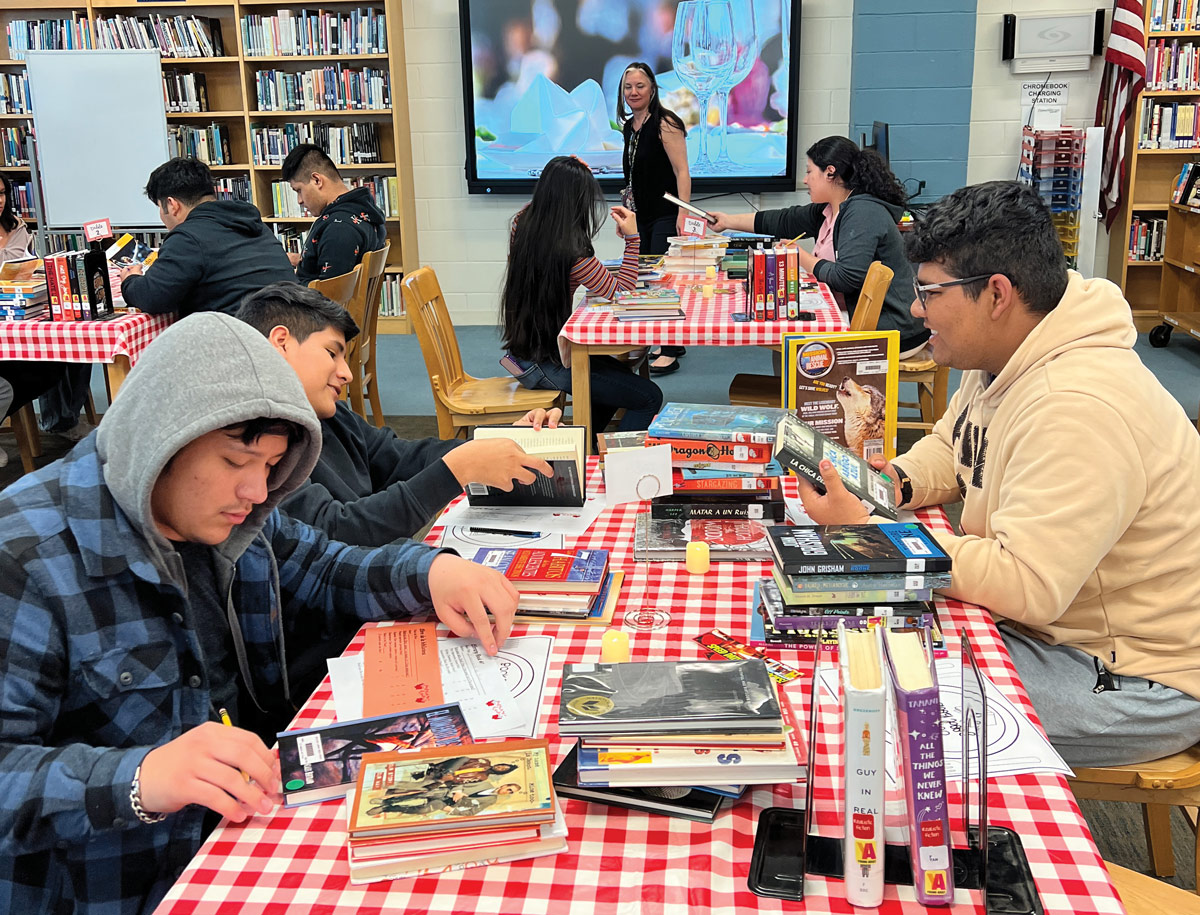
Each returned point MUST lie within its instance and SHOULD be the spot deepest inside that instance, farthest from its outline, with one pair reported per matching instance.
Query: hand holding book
(495, 462)
(838, 506)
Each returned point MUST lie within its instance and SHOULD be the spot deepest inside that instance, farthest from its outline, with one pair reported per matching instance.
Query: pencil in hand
(225, 720)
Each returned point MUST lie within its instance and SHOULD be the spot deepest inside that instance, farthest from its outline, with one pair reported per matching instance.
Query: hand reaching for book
(204, 766)
(496, 462)
(837, 506)
(463, 595)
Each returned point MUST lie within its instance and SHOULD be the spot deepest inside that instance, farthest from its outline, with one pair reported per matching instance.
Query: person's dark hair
(863, 171)
(655, 112)
(994, 227)
(301, 310)
(306, 159)
(186, 179)
(8, 219)
(252, 430)
(549, 235)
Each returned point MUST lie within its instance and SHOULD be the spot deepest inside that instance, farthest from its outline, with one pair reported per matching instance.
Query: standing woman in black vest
(655, 161)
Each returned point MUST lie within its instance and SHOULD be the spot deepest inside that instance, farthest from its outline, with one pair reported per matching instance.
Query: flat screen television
(541, 78)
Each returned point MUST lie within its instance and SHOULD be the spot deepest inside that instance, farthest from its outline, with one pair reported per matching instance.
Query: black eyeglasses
(922, 292)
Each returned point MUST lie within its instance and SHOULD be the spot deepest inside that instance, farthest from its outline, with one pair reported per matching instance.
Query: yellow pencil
(225, 720)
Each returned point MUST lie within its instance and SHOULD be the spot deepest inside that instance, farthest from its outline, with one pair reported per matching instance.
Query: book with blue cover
(717, 423)
(845, 549)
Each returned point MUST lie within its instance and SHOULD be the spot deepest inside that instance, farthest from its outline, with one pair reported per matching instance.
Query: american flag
(1123, 80)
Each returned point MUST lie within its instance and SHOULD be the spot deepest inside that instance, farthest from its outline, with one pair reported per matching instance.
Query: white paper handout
(636, 474)
(522, 663)
(467, 541)
(572, 522)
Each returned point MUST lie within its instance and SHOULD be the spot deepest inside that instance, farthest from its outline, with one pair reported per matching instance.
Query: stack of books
(646, 727)
(858, 574)
(658, 303)
(688, 254)
(557, 584)
(23, 300)
(452, 807)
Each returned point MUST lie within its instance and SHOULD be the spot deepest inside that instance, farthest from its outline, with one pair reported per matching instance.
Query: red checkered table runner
(708, 321)
(620, 861)
(81, 341)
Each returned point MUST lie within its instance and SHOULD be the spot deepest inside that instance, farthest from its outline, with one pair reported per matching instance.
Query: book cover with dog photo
(845, 386)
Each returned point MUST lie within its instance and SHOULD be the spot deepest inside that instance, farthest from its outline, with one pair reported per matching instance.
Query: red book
(689, 449)
(52, 289)
(780, 284)
(731, 484)
(574, 571)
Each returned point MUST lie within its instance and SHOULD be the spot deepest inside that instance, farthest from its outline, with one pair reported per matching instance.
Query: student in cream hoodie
(1078, 472)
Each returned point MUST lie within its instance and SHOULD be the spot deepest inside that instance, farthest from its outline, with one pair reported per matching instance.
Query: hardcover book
(683, 449)
(668, 697)
(845, 549)
(863, 700)
(689, 803)
(599, 611)
(801, 448)
(919, 716)
(716, 423)
(753, 507)
(666, 539)
(682, 481)
(317, 764)
(562, 448)
(798, 585)
(579, 571)
(833, 599)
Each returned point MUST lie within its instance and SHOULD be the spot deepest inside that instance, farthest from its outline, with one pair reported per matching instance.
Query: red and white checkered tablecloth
(708, 321)
(620, 861)
(81, 341)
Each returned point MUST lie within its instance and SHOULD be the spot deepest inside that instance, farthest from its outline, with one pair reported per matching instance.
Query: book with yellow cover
(845, 385)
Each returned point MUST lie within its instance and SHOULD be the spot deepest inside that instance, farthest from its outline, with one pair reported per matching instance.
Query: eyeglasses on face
(922, 292)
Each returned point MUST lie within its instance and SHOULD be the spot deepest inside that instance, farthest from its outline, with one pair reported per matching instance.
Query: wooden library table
(592, 331)
(619, 861)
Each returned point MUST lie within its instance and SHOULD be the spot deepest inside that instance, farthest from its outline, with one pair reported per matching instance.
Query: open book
(563, 449)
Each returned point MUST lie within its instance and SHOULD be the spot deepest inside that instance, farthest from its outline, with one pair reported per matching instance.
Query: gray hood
(205, 372)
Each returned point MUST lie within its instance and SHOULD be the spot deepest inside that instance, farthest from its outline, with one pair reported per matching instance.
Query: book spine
(780, 284)
(787, 624)
(730, 484)
(64, 287)
(690, 449)
(863, 762)
(859, 597)
(744, 469)
(759, 283)
(751, 511)
(793, 284)
(803, 584)
(772, 276)
(52, 289)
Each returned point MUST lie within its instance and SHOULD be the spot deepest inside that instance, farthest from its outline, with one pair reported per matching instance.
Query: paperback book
(801, 448)
(768, 506)
(717, 423)
(863, 716)
(572, 571)
(844, 549)
(833, 599)
(562, 448)
(666, 539)
(598, 611)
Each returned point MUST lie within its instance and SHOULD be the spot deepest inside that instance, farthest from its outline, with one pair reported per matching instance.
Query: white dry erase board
(101, 128)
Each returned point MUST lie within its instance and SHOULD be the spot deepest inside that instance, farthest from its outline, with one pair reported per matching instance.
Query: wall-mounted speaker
(1009, 38)
(1098, 39)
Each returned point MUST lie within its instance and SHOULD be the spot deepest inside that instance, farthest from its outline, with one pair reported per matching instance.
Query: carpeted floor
(1117, 828)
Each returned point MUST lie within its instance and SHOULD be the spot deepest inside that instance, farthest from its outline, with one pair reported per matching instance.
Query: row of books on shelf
(346, 144)
(171, 36)
(14, 94)
(299, 32)
(209, 144)
(47, 35)
(1187, 185)
(1167, 125)
(235, 187)
(12, 146)
(1147, 237)
(332, 88)
(1172, 65)
(384, 188)
(391, 297)
(185, 91)
(1174, 15)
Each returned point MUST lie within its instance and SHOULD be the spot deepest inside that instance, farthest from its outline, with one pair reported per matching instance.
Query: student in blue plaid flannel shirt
(147, 581)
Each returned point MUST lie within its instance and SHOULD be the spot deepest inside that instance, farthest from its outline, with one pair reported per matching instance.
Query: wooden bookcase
(1151, 177)
(232, 99)
(1179, 293)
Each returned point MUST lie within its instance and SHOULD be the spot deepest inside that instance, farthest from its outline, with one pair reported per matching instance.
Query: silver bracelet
(135, 801)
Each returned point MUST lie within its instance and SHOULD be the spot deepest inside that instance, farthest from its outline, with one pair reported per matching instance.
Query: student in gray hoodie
(147, 580)
(856, 205)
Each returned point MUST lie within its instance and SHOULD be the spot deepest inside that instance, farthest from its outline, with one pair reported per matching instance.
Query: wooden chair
(933, 391)
(24, 423)
(1142, 895)
(339, 289)
(460, 400)
(364, 308)
(764, 390)
(1158, 785)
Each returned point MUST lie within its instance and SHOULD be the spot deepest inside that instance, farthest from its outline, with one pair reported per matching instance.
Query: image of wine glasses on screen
(745, 41)
(703, 53)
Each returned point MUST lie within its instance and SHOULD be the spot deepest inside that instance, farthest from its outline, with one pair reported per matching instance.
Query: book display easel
(1161, 136)
(243, 82)
(785, 850)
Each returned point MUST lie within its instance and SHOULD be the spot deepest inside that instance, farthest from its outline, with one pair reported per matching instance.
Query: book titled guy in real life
(317, 764)
(847, 549)
(800, 447)
(564, 449)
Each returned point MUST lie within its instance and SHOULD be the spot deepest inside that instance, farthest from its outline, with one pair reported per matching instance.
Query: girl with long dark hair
(14, 237)
(550, 256)
(856, 205)
(655, 161)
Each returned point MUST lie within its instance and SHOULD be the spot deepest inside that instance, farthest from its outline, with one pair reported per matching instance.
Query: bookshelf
(233, 117)
(1180, 287)
(1172, 86)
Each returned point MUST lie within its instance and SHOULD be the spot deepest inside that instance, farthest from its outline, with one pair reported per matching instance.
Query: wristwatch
(905, 482)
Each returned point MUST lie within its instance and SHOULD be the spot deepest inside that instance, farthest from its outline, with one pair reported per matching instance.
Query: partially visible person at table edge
(550, 255)
(856, 205)
(14, 236)
(1078, 472)
(147, 580)
(655, 161)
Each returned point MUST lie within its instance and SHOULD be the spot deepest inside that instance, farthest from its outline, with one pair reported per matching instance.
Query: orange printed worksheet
(401, 670)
